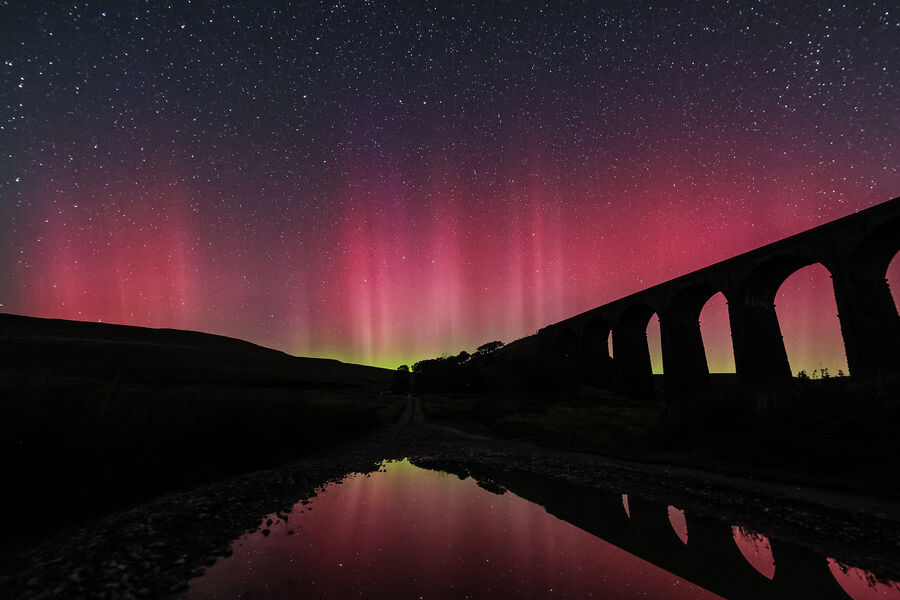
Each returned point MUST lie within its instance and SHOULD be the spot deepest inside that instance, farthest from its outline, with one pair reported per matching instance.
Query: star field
(383, 183)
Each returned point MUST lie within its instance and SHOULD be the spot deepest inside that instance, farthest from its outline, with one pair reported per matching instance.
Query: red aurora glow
(383, 185)
(400, 279)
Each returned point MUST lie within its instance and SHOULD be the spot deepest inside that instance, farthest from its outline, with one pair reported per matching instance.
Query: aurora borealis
(385, 183)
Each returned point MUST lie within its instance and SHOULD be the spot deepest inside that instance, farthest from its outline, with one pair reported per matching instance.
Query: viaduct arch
(856, 250)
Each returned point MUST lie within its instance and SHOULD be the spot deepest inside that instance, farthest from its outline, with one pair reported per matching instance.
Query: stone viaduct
(856, 250)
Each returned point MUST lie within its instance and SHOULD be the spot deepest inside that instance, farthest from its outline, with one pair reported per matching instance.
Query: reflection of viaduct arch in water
(710, 558)
(856, 250)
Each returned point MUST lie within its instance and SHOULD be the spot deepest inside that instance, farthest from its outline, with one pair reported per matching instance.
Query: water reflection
(408, 532)
(703, 551)
(862, 585)
(679, 524)
(756, 549)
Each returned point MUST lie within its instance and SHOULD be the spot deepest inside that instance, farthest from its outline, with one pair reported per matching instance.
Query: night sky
(383, 183)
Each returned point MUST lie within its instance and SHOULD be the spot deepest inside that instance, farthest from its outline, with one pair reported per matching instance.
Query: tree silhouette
(489, 347)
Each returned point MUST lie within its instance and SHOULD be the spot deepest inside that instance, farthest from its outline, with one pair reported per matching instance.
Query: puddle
(410, 532)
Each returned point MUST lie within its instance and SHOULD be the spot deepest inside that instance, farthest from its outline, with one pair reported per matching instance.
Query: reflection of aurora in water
(756, 549)
(406, 531)
(679, 524)
(861, 585)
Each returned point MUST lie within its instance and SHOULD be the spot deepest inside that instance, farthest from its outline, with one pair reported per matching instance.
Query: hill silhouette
(80, 348)
(104, 414)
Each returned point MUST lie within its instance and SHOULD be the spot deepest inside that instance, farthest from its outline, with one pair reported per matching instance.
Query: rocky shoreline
(153, 549)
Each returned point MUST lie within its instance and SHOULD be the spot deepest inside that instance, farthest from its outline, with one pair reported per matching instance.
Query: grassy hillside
(97, 414)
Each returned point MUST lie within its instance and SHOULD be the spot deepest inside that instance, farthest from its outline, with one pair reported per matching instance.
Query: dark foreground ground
(130, 458)
(96, 416)
(152, 549)
(835, 434)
